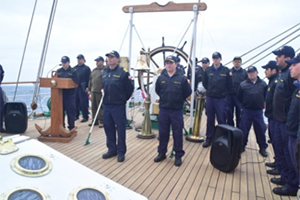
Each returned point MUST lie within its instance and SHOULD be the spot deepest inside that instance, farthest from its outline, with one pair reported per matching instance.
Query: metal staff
(95, 118)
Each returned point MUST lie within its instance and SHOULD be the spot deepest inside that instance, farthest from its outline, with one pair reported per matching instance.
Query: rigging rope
(266, 42)
(124, 37)
(44, 52)
(21, 65)
(272, 46)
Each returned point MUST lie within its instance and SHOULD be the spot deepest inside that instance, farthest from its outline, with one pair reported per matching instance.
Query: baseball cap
(294, 60)
(80, 56)
(216, 55)
(285, 50)
(100, 58)
(113, 54)
(171, 59)
(251, 69)
(65, 59)
(237, 58)
(271, 64)
(204, 60)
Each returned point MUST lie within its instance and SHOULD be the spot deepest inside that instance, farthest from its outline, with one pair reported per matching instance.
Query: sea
(25, 94)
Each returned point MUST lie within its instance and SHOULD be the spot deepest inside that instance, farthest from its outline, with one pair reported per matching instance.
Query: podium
(56, 132)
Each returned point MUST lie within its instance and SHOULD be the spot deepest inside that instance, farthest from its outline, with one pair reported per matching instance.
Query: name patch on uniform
(223, 75)
(281, 80)
(116, 76)
(70, 74)
(103, 76)
(177, 82)
(276, 81)
(211, 74)
(163, 81)
(297, 95)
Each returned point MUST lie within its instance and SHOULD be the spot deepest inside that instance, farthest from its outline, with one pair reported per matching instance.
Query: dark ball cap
(237, 58)
(294, 60)
(80, 56)
(65, 59)
(288, 51)
(216, 55)
(204, 60)
(100, 58)
(177, 59)
(171, 59)
(113, 54)
(271, 64)
(251, 69)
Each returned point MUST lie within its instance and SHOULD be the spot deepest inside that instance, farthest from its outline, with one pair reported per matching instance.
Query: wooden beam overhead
(171, 6)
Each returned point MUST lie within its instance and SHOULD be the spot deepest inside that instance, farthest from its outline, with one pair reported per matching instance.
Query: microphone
(52, 69)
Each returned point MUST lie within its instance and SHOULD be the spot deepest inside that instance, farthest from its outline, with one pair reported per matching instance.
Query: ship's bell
(141, 63)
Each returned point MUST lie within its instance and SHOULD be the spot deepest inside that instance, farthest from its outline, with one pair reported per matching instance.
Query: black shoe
(96, 123)
(101, 125)
(160, 157)
(206, 144)
(121, 158)
(271, 164)
(177, 162)
(263, 153)
(269, 141)
(284, 191)
(274, 171)
(108, 155)
(84, 120)
(277, 181)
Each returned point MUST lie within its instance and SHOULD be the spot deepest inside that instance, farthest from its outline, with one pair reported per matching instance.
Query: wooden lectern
(56, 132)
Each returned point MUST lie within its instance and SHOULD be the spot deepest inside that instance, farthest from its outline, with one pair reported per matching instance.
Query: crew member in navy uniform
(205, 63)
(82, 96)
(198, 74)
(238, 75)
(118, 89)
(66, 71)
(217, 82)
(271, 71)
(251, 93)
(281, 105)
(1, 100)
(172, 88)
(293, 122)
(179, 66)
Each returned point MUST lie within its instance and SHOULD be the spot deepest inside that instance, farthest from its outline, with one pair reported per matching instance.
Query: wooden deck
(196, 178)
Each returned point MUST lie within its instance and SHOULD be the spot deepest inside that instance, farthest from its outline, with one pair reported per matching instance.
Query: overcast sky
(95, 27)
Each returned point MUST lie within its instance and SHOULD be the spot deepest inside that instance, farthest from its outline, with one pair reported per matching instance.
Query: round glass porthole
(24, 193)
(31, 165)
(88, 193)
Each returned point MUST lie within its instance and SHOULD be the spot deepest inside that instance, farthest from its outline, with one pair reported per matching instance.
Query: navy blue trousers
(271, 130)
(1, 108)
(69, 107)
(288, 173)
(114, 119)
(233, 105)
(81, 103)
(174, 118)
(292, 150)
(215, 107)
(256, 117)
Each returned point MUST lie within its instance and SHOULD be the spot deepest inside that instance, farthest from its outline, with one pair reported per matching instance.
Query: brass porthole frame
(31, 173)
(6, 195)
(73, 194)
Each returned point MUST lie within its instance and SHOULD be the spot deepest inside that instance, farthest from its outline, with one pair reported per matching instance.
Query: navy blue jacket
(117, 86)
(269, 96)
(283, 95)
(198, 75)
(69, 73)
(292, 122)
(252, 96)
(217, 82)
(1, 74)
(172, 91)
(84, 73)
(238, 76)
